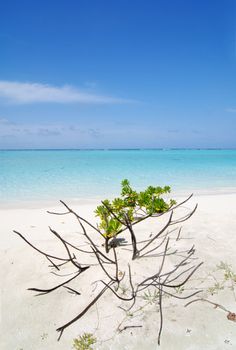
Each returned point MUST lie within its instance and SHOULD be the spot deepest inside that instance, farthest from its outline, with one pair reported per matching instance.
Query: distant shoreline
(120, 149)
(41, 203)
(41, 175)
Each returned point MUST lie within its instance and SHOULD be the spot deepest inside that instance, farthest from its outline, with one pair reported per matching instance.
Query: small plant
(84, 342)
(129, 209)
(228, 272)
(117, 271)
(151, 298)
(216, 288)
(131, 204)
(228, 281)
(124, 289)
(179, 290)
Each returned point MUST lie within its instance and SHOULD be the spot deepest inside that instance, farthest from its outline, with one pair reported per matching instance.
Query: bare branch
(38, 250)
(46, 291)
(161, 316)
(185, 218)
(67, 249)
(158, 234)
(210, 302)
(133, 237)
(80, 218)
(62, 328)
(73, 291)
(103, 268)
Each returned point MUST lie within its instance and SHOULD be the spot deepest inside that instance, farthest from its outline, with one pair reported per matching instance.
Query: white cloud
(24, 93)
(231, 110)
(3, 120)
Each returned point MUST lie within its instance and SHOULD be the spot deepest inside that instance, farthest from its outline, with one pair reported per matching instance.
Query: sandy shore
(29, 323)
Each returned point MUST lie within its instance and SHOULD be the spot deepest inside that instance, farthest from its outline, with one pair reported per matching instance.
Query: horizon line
(124, 149)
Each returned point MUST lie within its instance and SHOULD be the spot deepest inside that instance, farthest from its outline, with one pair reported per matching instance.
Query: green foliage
(228, 281)
(113, 214)
(179, 290)
(151, 298)
(228, 272)
(84, 342)
(216, 288)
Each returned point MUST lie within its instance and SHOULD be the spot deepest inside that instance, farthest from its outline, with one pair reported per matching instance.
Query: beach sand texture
(29, 323)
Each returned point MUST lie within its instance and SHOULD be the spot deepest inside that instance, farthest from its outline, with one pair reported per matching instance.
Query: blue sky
(117, 74)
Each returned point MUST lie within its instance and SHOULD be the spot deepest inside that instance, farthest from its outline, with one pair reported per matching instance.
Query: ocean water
(80, 174)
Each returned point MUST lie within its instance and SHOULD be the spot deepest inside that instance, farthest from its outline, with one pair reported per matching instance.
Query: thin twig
(46, 291)
(72, 290)
(158, 234)
(210, 302)
(127, 327)
(38, 250)
(161, 316)
(62, 328)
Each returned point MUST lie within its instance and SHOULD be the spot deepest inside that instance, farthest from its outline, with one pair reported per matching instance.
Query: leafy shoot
(84, 342)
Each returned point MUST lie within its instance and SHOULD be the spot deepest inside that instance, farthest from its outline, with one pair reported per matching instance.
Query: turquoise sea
(79, 174)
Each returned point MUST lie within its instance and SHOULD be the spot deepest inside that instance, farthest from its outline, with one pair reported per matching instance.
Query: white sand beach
(29, 322)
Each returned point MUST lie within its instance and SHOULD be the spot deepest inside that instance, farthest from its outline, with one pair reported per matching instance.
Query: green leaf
(131, 203)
